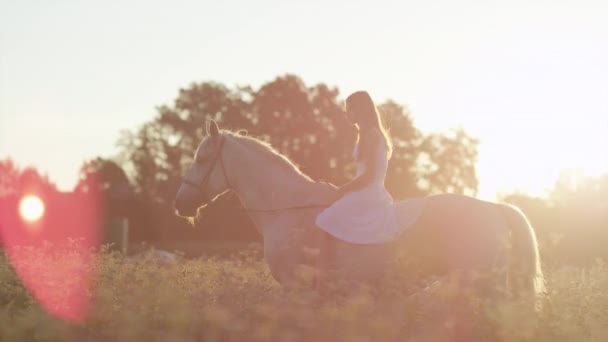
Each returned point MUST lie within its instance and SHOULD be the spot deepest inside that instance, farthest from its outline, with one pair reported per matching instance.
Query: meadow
(234, 298)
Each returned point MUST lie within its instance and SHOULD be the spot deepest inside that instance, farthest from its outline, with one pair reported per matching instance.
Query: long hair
(365, 114)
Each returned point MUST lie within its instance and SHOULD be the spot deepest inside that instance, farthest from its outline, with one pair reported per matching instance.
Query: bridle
(203, 185)
(200, 187)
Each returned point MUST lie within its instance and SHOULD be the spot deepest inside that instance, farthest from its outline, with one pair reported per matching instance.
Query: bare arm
(358, 183)
(362, 180)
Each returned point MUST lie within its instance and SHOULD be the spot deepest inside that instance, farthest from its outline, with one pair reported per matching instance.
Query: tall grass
(236, 299)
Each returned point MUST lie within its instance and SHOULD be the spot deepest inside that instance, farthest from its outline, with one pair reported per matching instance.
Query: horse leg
(323, 262)
(470, 236)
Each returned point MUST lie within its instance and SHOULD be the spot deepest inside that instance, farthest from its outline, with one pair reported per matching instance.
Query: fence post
(117, 233)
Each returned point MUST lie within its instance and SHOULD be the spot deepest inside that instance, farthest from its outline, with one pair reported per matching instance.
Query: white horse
(453, 233)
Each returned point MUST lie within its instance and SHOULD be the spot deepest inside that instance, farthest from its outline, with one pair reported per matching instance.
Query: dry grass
(235, 299)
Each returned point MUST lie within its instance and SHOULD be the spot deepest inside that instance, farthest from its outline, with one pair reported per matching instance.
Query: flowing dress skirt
(369, 216)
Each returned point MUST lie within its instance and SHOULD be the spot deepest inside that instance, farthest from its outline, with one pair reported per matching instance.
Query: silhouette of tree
(447, 163)
(106, 180)
(571, 220)
(9, 178)
(160, 152)
(574, 189)
(304, 123)
(101, 174)
(401, 178)
(108, 183)
(14, 180)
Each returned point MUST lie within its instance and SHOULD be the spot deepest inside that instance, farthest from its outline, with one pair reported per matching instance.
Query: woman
(364, 211)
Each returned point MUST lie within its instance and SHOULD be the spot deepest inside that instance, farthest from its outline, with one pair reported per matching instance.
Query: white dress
(367, 215)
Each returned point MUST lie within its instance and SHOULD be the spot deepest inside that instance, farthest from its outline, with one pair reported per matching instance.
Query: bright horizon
(529, 79)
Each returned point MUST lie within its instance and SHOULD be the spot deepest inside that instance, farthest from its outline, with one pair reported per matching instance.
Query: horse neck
(261, 183)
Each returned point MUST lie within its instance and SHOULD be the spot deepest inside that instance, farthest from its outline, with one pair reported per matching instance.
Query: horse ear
(212, 128)
(242, 132)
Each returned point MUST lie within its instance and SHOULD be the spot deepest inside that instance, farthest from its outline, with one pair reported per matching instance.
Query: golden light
(31, 208)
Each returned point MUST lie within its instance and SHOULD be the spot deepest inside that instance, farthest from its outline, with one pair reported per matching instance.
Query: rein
(299, 207)
(219, 156)
(201, 187)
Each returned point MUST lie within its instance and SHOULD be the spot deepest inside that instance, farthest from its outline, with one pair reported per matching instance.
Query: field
(234, 298)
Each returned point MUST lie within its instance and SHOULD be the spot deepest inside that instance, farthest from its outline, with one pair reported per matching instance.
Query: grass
(235, 299)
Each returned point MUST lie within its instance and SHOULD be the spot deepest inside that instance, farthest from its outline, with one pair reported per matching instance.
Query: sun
(31, 208)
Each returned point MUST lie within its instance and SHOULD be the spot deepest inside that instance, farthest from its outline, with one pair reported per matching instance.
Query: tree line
(304, 122)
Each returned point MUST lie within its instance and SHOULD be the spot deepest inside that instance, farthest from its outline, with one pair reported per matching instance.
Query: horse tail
(525, 274)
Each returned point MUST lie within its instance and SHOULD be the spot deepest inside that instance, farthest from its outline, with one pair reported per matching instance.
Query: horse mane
(266, 149)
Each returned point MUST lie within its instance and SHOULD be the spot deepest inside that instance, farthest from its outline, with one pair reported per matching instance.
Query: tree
(574, 189)
(101, 174)
(447, 163)
(571, 220)
(401, 178)
(9, 178)
(14, 180)
(306, 123)
(107, 183)
(109, 186)
(160, 152)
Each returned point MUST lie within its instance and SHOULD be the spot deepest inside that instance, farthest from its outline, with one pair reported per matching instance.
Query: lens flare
(31, 208)
(50, 240)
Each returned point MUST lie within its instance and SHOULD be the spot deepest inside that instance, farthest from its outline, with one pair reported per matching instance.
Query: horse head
(207, 179)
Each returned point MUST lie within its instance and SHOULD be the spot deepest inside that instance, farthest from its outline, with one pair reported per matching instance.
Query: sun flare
(31, 208)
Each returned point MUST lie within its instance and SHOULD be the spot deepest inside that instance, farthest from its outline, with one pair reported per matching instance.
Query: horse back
(455, 232)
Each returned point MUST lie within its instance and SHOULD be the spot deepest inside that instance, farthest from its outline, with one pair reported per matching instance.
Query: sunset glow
(49, 243)
(304, 170)
(31, 208)
(527, 78)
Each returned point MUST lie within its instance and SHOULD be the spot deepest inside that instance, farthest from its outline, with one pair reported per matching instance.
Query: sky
(529, 79)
